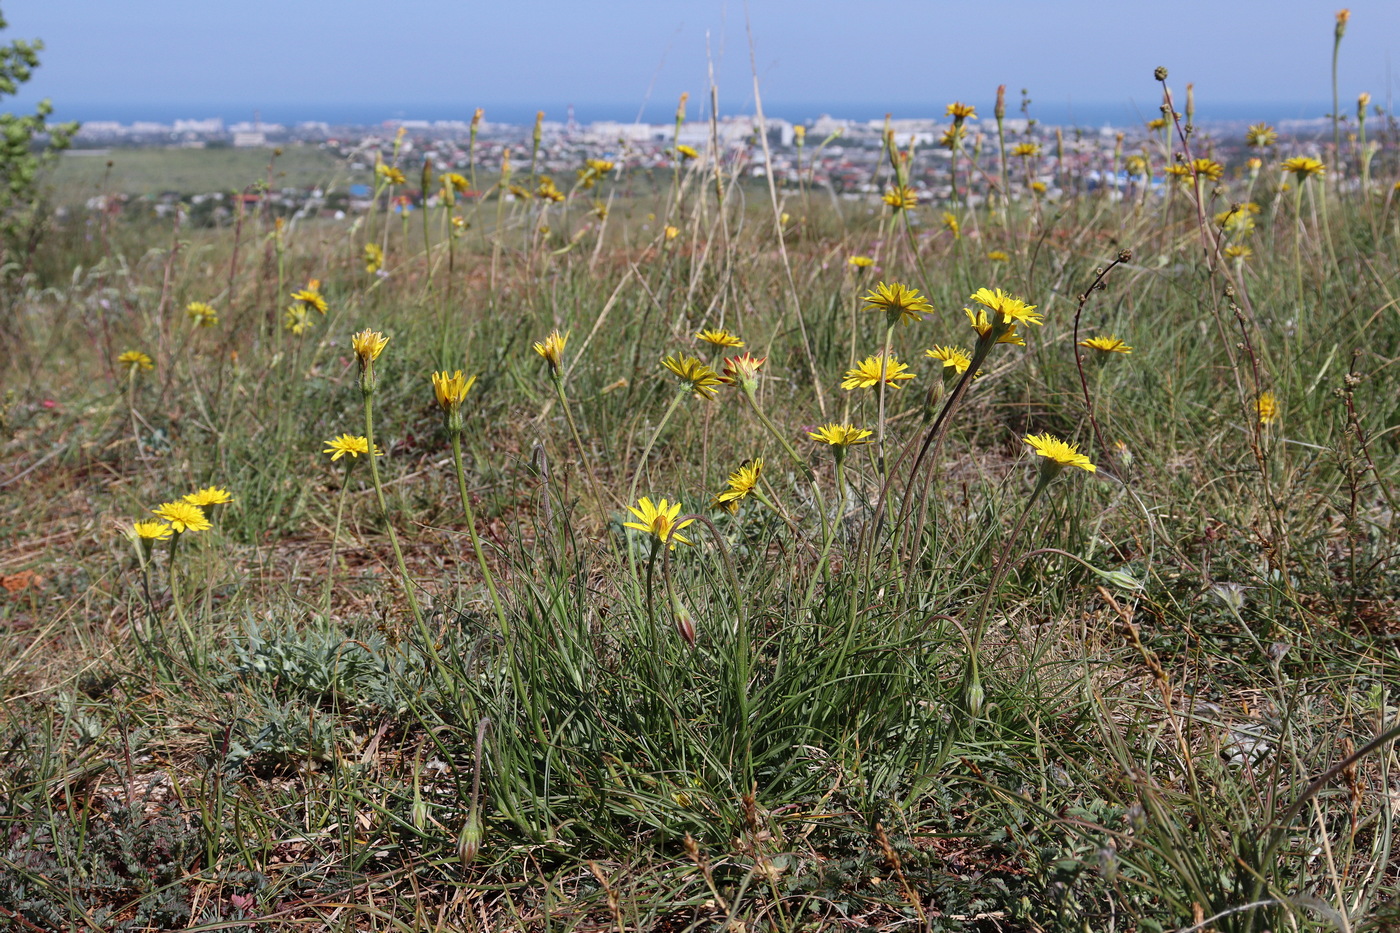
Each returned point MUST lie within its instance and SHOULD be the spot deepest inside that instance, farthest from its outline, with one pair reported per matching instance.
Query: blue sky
(415, 56)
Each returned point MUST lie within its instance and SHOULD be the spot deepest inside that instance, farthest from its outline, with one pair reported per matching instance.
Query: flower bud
(469, 840)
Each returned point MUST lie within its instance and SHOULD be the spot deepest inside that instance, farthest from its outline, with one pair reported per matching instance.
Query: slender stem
(175, 596)
(335, 535)
(646, 451)
(979, 625)
(578, 445)
(389, 525)
(476, 541)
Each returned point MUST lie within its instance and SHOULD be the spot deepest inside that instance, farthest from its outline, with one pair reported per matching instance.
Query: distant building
(249, 139)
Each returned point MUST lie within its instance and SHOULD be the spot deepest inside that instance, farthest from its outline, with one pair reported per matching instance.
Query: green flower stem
(335, 535)
(476, 542)
(384, 512)
(558, 380)
(646, 451)
(880, 421)
(175, 596)
(979, 624)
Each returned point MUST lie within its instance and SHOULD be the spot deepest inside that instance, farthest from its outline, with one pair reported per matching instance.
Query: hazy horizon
(439, 59)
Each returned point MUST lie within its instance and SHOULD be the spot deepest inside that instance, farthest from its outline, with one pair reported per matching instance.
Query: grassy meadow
(685, 607)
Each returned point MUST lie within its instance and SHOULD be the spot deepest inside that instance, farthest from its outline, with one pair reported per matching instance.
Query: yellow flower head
(1207, 168)
(873, 370)
(1038, 187)
(1179, 172)
(960, 111)
(1260, 136)
(899, 302)
(1012, 310)
(1267, 406)
(952, 136)
(456, 181)
(151, 531)
(451, 391)
(552, 349)
(1158, 124)
(1136, 166)
(209, 495)
(950, 223)
(374, 258)
(1106, 345)
(741, 482)
(687, 152)
(901, 197)
(311, 296)
(1026, 150)
(521, 193)
(743, 370)
(955, 358)
(997, 255)
(701, 378)
(133, 360)
(860, 262)
(1304, 167)
(719, 338)
(202, 314)
(338, 447)
(548, 190)
(672, 232)
(1238, 251)
(390, 174)
(840, 435)
(297, 319)
(659, 521)
(601, 166)
(368, 344)
(1057, 453)
(983, 325)
(182, 516)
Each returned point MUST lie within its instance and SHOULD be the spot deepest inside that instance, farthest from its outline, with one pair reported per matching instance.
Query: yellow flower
(687, 152)
(983, 326)
(860, 262)
(1158, 124)
(659, 521)
(600, 210)
(297, 320)
(719, 338)
(1208, 168)
(202, 314)
(997, 255)
(672, 232)
(451, 391)
(182, 516)
(1109, 344)
(954, 358)
(1012, 310)
(456, 182)
(311, 296)
(960, 111)
(1038, 187)
(374, 258)
(1254, 165)
(1240, 252)
(741, 482)
(873, 370)
(800, 132)
(209, 495)
(743, 370)
(368, 344)
(338, 447)
(1057, 453)
(840, 435)
(521, 193)
(952, 136)
(1136, 166)
(390, 174)
(1260, 136)
(1238, 219)
(899, 302)
(1179, 172)
(552, 349)
(950, 223)
(1267, 406)
(133, 360)
(1026, 150)
(702, 379)
(1304, 167)
(151, 531)
(548, 190)
(901, 197)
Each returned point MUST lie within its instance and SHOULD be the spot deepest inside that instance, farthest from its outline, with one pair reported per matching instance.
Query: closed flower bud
(469, 840)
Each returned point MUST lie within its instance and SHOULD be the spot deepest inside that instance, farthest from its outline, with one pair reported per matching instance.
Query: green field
(82, 174)
(1084, 616)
